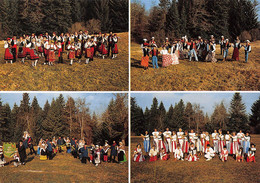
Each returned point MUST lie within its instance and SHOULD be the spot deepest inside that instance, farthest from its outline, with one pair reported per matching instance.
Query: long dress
(145, 58)
(246, 144)
(234, 145)
(235, 55)
(121, 154)
(138, 156)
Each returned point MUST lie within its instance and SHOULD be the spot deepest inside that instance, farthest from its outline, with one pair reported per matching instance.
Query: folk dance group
(187, 146)
(204, 50)
(75, 46)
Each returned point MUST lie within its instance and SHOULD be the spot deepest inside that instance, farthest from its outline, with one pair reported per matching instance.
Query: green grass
(99, 75)
(200, 171)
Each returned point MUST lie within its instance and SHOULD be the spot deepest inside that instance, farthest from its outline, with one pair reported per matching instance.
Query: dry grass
(201, 171)
(64, 168)
(99, 75)
(198, 76)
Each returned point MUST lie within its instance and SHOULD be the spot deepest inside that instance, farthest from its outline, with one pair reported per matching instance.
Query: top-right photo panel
(195, 45)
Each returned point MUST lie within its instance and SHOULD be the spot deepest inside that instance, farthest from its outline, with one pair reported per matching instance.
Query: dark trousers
(112, 159)
(14, 54)
(110, 46)
(84, 160)
(60, 59)
(49, 155)
(32, 150)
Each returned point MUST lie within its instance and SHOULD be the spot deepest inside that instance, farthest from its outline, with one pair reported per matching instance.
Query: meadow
(200, 171)
(198, 76)
(63, 168)
(99, 75)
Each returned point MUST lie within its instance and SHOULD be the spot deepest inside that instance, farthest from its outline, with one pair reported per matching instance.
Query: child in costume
(224, 154)
(138, 155)
(239, 155)
(251, 153)
(163, 154)
(153, 154)
(178, 154)
(192, 153)
(209, 153)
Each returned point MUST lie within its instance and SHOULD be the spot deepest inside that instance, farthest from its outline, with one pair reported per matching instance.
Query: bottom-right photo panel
(195, 137)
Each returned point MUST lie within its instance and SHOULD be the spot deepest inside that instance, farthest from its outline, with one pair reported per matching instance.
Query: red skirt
(166, 157)
(92, 49)
(115, 49)
(145, 61)
(22, 52)
(8, 54)
(185, 147)
(104, 49)
(28, 51)
(72, 54)
(100, 48)
(78, 53)
(51, 56)
(46, 52)
(33, 55)
(154, 158)
(88, 53)
(40, 50)
(235, 54)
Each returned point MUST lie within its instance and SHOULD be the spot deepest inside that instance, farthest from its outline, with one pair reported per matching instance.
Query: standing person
(207, 138)
(228, 141)
(247, 143)
(240, 138)
(84, 153)
(21, 49)
(60, 51)
(185, 147)
(167, 135)
(174, 142)
(51, 53)
(30, 144)
(113, 152)
(167, 44)
(33, 53)
(226, 46)
(215, 141)
(97, 159)
(78, 50)
(147, 145)
(46, 47)
(234, 145)
(106, 148)
(8, 51)
(154, 52)
(71, 48)
(14, 48)
(43, 151)
(152, 43)
(114, 46)
(211, 53)
(110, 44)
(247, 50)
(88, 53)
(180, 136)
(156, 139)
(202, 139)
(193, 50)
(39, 44)
(49, 149)
(145, 58)
(222, 44)
(92, 49)
(22, 152)
(221, 141)
(138, 155)
(236, 46)
(121, 153)
(104, 45)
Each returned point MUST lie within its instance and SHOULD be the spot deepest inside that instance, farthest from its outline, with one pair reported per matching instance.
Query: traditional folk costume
(211, 54)
(113, 152)
(154, 52)
(21, 49)
(88, 53)
(215, 142)
(178, 154)
(163, 155)
(28, 47)
(46, 48)
(78, 50)
(240, 139)
(202, 140)
(246, 144)
(84, 154)
(209, 153)
(60, 50)
(221, 142)
(71, 55)
(167, 44)
(138, 156)
(121, 154)
(224, 154)
(39, 44)
(161, 143)
(147, 145)
(155, 140)
(185, 147)
(97, 160)
(174, 143)
(247, 50)
(43, 151)
(222, 45)
(2, 157)
(236, 46)
(145, 58)
(22, 153)
(192, 154)
(114, 47)
(16, 160)
(198, 144)
(105, 154)
(206, 142)
(192, 138)
(193, 51)
(8, 51)
(153, 154)
(33, 54)
(51, 52)
(104, 46)
(167, 136)
(225, 49)
(239, 155)
(14, 43)
(234, 145)
(251, 154)
(180, 138)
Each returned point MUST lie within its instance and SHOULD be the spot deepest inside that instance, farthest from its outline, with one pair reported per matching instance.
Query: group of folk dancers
(47, 149)
(188, 145)
(200, 49)
(75, 46)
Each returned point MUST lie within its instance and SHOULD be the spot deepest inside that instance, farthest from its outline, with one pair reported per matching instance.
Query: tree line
(174, 19)
(191, 116)
(70, 118)
(18, 17)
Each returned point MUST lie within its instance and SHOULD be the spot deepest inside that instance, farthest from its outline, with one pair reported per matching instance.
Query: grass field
(63, 168)
(198, 76)
(99, 75)
(201, 171)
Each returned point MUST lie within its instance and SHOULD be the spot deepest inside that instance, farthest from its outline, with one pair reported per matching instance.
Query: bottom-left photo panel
(63, 137)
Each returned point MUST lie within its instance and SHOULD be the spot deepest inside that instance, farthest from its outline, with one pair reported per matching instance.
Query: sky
(207, 101)
(150, 3)
(98, 102)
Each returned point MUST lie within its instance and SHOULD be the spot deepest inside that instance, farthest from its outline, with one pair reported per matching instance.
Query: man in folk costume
(178, 154)
(193, 50)
(47, 36)
(152, 43)
(240, 138)
(236, 46)
(167, 135)
(33, 36)
(146, 51)
(14, 43)
(104, 46)
(228, 141)
(8, 51)
(110, 44)
(221, 141)
(114, 46)
(215, 141)
(60, 50)
(88, 53)
(22, 152)
(21, 49)
(180, 136)
(46, 47)
(212, 39)
(154, 52)
(113, 152)
(167, 44)
(222, 44)
(202, 139)
(224, 154)
(226, 46)
(30, 144)
(51, 52)
(174, 141)
(93, 46)
(185, 147)
(201, 48)
(155, 139)
(78, 50)
(192, 153)
(247, 50)
(49, 149)
(39, 44)
(84, 153)
(234, 144)
(192, 137)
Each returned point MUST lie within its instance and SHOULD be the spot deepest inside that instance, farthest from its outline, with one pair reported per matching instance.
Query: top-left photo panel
(64, 45)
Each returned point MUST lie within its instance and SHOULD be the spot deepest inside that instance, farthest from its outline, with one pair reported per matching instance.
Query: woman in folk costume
(202, 139)
(166, 61)
(104, 46)
(239, 155)
(78, 50)
(198, 144)
(212, 53)
(180, 136)
(161, 143)
(28, 46)
(251, 153)
(92, 49)
(228, 141)
(114, 46)
(22, 152)
(163, 154)
(178, 154)
(51, 57)
(173, 141)
(8, 51)
(60, 51)
(138, 155)
(215, 141)
(97, 153)
(246, 143)
(247, 50)
(192, 137)
(2, 157)
(224, 154)
(185, 147)
(39, 44)
(153, 154)
(207, 138)
(155, 139)
(146, 139)
(121, 153)
(240, 138)
(146, 51)
(192, 153)
(71, 48)
(226, 46)
(167, 136)
(222, 45)
(88, 53)
(234, 145)
(236, 46)
(39, 147)
(209, 153)
(43, 150)
(106, 148)
(46, 47)
(21, 49)
(221, 141)
(33, 53)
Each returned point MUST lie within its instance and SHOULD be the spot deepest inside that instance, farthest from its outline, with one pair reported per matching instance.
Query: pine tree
(137, 118)
(168, 121)
(178, 116)
(255, 116)
(172, 23)
(189, 113)
(101, 11)
(36, 119)
(154, 115)
(162, 113)
(24, 122)
(238, 118)
(76, 15)
(220, 116)
(7, 128)
(14, 118)
(71, 117)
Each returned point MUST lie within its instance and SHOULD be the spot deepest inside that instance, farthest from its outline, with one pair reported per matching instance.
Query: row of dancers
(193, 143)
(75, 46)
(200, 49)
